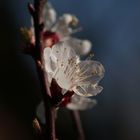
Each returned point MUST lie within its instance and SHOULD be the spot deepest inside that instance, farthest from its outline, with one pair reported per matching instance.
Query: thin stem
(78, 124)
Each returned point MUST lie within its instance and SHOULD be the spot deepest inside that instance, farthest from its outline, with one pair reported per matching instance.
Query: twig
(36, 11)
(77, 120)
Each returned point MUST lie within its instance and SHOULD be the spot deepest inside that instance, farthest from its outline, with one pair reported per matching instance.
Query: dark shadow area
(19, 88)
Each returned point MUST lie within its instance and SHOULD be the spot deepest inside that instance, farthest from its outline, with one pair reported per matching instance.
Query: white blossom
(82, 77)
(62, 62)
(63, 27)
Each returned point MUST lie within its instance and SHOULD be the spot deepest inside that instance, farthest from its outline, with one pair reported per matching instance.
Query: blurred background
(113, 26)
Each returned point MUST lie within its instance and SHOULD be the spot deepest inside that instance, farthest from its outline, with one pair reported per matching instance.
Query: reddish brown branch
(45, 90)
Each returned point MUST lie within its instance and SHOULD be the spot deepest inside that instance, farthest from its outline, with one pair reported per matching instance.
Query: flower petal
(63, 53)
(50, 15)
(81, 103)
(50, 61)
(66, 65)
(62, 27)
(87, 90)
(81, 47)
(90, 72)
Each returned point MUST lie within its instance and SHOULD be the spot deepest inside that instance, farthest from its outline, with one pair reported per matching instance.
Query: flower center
(50, 38)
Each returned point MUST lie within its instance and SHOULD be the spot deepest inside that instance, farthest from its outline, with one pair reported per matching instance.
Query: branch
(36, 12)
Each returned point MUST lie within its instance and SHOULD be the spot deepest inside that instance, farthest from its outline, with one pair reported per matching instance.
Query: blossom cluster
(76, 79)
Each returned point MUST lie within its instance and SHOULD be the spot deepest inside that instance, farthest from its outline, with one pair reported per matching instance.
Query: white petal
(87, 90)
(62, 27)
(81, 103)
(66, 65)
(67, 18)
(50, 61)
(90, 72)
(62, 80)
(81, 47)
(50, 16)
(86, 46)
(63, 53)
(61, 62)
